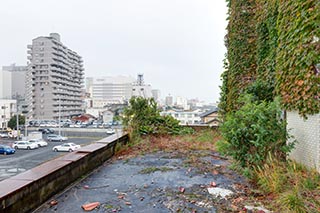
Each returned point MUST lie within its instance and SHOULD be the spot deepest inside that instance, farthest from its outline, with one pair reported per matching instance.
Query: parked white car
(66, 147)
(53, 137)
(4, 135)
(110, 131)
(39, 142)
(24, 145)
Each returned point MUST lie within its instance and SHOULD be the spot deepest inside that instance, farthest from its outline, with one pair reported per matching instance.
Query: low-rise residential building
(185, 117)
(210, 117)
(8, 109)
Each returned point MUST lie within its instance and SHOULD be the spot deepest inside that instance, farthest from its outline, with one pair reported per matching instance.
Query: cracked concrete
(169, 183)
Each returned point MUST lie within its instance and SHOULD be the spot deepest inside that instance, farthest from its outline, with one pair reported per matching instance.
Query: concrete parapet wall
(26, 191)
(198, 127)
(307, 134)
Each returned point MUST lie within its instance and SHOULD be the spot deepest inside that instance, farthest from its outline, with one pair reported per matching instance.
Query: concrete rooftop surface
(157, 182)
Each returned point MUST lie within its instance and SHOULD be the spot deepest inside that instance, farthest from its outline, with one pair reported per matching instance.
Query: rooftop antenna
(140, 81)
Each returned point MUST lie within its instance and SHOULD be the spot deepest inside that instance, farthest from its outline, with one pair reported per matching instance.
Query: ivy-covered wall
(298, 54)
(275, 43)
(240, 60)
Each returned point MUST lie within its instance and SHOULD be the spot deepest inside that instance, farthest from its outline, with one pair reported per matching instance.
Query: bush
(142, 117)
(255, 131)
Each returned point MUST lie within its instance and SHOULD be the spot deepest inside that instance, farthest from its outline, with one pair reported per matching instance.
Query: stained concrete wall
(26, 191)
(307, 134)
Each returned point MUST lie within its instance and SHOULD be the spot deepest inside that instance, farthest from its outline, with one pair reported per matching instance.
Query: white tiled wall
(307, 133)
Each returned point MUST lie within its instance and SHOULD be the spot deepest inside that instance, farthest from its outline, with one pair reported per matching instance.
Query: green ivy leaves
(276, 42)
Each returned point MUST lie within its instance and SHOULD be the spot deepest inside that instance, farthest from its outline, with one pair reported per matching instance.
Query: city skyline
(177, 45)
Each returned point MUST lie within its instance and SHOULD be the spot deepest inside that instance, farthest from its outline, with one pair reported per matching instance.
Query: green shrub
(254, 131)
(142, 117)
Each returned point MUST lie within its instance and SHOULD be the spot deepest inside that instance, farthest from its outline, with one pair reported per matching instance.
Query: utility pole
(18, 133)
(17, 117)
(25, 125)
(59, 123)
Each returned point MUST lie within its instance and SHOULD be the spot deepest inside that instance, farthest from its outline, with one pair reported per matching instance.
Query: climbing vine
(240, 59)
(273, 46)
(298, 55)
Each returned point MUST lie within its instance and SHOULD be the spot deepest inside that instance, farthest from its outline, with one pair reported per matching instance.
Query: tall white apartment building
(109, 89)
(54, 82)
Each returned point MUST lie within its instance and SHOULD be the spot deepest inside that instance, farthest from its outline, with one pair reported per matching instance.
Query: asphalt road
(23, 160)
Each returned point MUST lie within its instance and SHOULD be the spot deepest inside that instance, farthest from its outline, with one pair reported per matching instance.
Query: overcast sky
(177, 44)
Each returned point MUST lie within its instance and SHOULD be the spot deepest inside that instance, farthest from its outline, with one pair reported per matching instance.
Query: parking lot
(23, 160)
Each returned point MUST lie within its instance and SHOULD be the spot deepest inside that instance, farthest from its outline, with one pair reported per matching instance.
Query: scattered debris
(215, 172)
(53, 202)
(97, 187)
(90, 206)
(219, 192)
(189, 170)
(260, 209)
(181, 189)
(213, 184)
(120, 197)
(150, 192)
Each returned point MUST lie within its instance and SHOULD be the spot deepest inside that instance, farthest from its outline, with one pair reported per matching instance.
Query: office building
(54, 82)
(140, 89)
(169, 100)
(17, 79)
(156, 94)
(109, 89)
(182, 102)
(5, 84)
